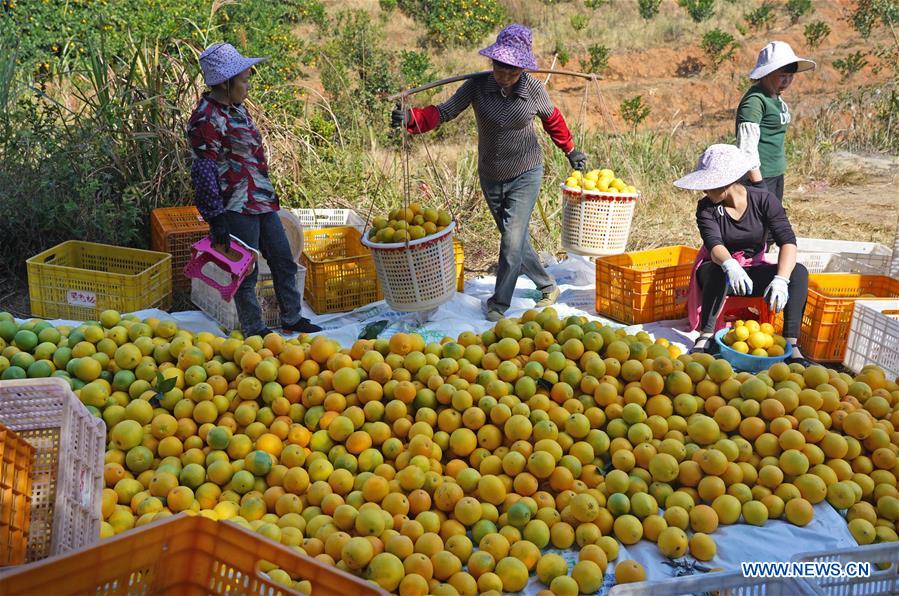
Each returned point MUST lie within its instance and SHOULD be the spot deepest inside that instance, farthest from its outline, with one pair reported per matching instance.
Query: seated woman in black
(733, 221)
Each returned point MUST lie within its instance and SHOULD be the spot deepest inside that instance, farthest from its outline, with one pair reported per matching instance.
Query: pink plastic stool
(237, 262)
(743, 308)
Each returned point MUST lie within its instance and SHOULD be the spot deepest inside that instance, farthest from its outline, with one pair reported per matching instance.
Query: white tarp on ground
(776, 541)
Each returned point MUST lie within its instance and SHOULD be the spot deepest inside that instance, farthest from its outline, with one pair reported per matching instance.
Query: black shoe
(303, 325)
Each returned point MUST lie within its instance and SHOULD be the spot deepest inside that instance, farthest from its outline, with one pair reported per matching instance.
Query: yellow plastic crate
(459, 255)
(79, 280)
(340, 272)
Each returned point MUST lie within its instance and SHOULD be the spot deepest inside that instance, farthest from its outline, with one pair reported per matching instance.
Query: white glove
(777, 293)
(737, 279)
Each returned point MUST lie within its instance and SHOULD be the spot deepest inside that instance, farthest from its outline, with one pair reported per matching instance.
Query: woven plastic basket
(16, 455)
(417, 276)
(67, 472)
(874, 337)
(596, 224)
(208, 299)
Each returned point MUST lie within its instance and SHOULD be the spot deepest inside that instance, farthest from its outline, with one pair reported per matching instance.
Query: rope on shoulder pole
(406, 92)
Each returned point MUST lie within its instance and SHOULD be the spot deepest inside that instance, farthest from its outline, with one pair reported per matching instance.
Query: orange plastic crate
(340, 272)
(175, 230)
(16, 456)
(644, 286)
(180, 555)
(828, 313)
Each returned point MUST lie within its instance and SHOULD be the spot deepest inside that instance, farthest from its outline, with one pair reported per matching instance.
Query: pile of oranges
(452, 467)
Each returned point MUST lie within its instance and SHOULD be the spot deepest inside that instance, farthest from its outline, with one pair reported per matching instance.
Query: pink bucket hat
(221, 61)
(512, 47)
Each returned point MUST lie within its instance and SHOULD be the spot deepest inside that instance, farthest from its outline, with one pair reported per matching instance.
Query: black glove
(399, 117)
(577, 160)
(219, 232)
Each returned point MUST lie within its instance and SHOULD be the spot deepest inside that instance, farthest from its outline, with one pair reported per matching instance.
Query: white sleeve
(748, 134)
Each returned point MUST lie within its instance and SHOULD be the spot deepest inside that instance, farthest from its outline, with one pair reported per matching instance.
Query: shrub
(598, 60)
(91, 157)
(699, 10)
(797, 8)
(851, 64)
(579, 21)
(387, 5)
(634, 111)
(815, 33)
(309, 10)
(561, 53)
(867, 13)
(761, 18)
(648, 8)
(455, 22)
(594, 4)
(415, 68)
(718, 47)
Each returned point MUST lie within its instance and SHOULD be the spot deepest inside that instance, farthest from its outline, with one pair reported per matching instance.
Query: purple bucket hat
(513, 47)
(221, 61)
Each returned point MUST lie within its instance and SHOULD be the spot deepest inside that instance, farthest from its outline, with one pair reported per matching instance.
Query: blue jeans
(511, 204)
(265, 233)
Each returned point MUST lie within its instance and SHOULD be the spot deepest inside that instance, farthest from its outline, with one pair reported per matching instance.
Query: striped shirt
(507, 142)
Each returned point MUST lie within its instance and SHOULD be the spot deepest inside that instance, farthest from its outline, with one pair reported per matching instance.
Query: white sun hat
(221, 61)
(718, 166)
(778, 54)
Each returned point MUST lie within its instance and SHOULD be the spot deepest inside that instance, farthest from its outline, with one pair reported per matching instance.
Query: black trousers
(775, 184)
(713, 283)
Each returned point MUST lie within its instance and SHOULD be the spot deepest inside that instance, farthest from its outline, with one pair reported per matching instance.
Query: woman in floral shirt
(233, 191)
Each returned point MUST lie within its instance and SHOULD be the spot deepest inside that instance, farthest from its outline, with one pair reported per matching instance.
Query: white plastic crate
(874, 336)
(816, 254)
(880, 581)
(894, 263)
(207, 299)
(732, 583)
(67, 470)
(329, 218)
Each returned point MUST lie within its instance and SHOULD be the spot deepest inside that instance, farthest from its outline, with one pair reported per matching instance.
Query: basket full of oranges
(752, 346)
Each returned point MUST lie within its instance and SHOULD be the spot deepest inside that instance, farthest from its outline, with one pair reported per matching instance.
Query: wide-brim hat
(778, 54)
(221, 61)
(512, 47)
(718, 166)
